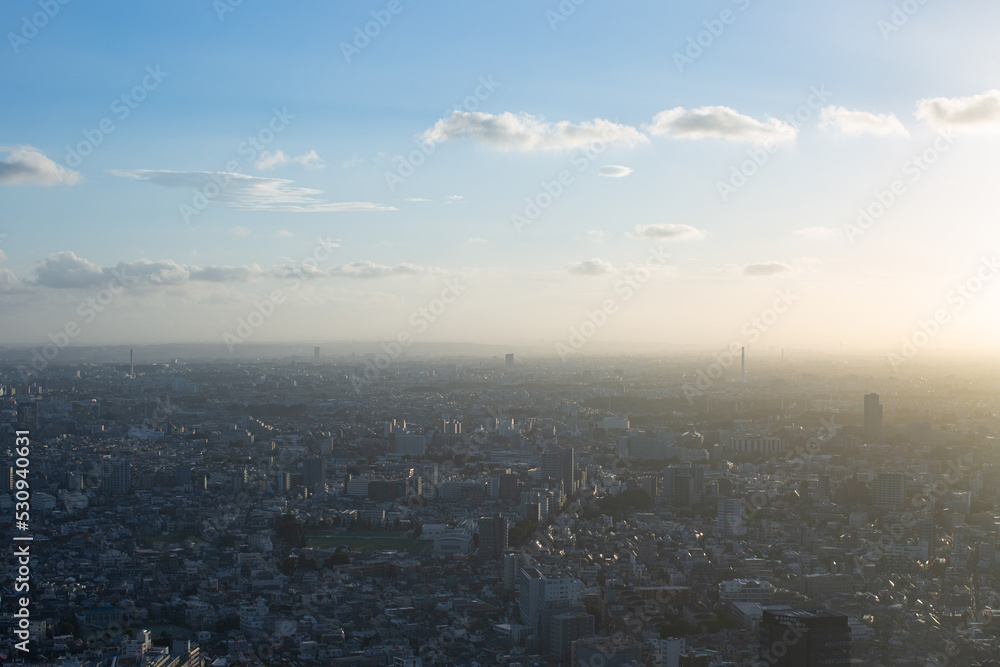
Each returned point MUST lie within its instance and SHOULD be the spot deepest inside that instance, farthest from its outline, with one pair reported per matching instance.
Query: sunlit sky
(401, 161)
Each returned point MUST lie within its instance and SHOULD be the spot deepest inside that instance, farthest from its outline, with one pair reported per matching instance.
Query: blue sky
(558, 80)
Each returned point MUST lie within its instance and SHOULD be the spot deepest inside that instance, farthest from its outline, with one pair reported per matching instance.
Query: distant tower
(316, 353)
(509, 363)
(131, 364)
(873, 418)
(743, 365)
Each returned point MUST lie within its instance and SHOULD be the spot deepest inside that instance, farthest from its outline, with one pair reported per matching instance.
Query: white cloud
(524, 132)
(65, 269)
(766, 269)
(721, 123)
(368, 269)
(272, 160)
(350, 163)
(453, 199)
(478, 241)
(25, 165)
(159, 272)
(228, 274)
(818, 232)
(590, 267)
(595, 236)
(614, 171)
(269, 160)
(973, 111)
(310, 160)
(667, 231)
(283, 233)
(8, 281)
(416, 199)
(254, 193)
(240, 231)
(855, 123)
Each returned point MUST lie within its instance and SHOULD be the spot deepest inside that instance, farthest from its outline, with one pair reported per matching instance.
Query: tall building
(492, 537)
(509, 363)
(643, 447)
(756, 445)
(804, 638)
(538, 592)
(564, 629)
(430, 480)
(730, 517)
(823, 488)
(508, 487)
(873, 418)
(27, 416)
(687, 483)
(405, 444)
(314, 474)
(889, 490)
(316, 353)
(116, 475)
(560, 466)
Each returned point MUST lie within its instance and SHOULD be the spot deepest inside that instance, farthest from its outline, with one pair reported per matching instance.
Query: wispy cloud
(272, 160)
(667, 232)
(251, 193)
(368, 269)
(764, 269)
(66, 270)
(975, 111)
(590, 267)
(720, 123)
(524, 132)
(25, 165)
(856, 123)
(614, 171)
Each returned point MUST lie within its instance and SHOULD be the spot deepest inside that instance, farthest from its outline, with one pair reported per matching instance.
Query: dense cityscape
(502, 511)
